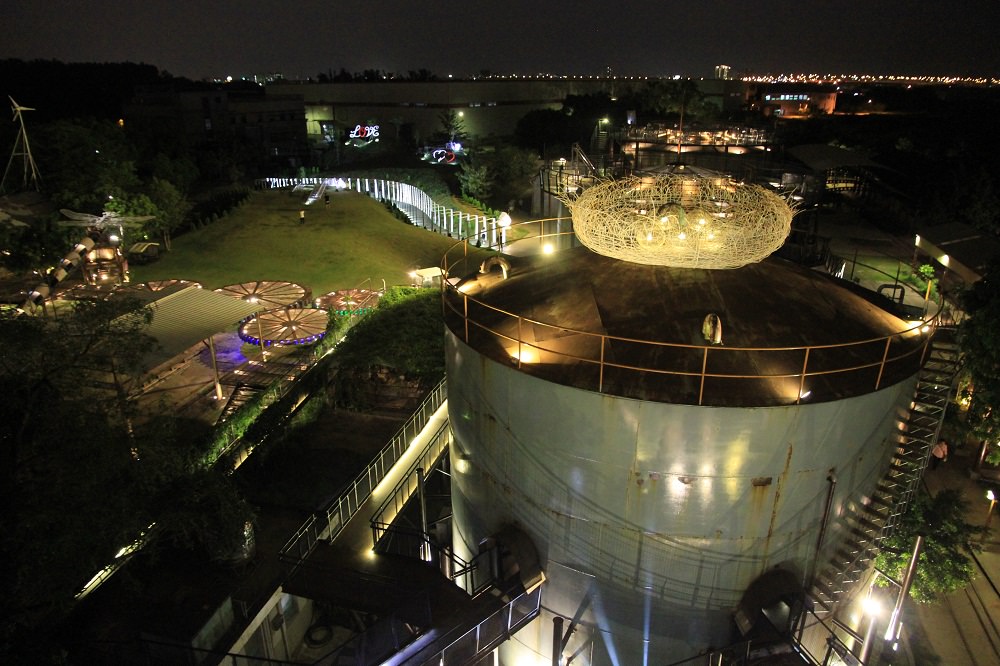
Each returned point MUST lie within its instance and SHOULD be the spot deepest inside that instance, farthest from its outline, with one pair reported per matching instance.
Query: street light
(991, 496)
(872, 608)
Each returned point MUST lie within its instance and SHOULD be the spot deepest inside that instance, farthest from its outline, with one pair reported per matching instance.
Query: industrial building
(660, 469)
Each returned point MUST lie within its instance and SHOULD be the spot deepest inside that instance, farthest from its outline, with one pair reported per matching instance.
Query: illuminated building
(792, 99)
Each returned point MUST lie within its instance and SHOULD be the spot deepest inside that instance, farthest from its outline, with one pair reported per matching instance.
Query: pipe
(866, 645)
(215, 368)
(831, 488)
(904, 588)
(557, 634)
(425, 551)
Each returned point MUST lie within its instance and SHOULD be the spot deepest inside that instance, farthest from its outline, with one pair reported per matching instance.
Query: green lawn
(338, 247)
(877, 269)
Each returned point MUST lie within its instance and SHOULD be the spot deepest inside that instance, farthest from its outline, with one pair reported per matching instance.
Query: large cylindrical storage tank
(660, 473)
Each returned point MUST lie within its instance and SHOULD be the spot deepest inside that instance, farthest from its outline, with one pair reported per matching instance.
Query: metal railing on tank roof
(667, 371)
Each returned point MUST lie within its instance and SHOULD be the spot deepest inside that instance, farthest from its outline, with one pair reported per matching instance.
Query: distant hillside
(58, 90)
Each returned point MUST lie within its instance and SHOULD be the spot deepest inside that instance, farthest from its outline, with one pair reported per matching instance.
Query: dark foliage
(401, 341)
(944, 565)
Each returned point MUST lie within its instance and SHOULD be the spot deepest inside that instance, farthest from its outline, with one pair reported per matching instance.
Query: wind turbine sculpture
(22, 149)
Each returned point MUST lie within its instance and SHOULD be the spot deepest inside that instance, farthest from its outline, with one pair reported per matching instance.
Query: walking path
(963, 627)
(346, 571)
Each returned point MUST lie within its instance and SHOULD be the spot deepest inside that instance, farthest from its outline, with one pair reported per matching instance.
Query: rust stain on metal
(758, 493)
(777, 498)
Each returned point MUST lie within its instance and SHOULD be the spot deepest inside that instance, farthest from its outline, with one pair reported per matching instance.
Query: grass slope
(338, 247)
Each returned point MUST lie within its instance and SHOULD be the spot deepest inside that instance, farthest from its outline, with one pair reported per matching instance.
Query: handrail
(329, 522)
(382, 520)
(408, 198)
(473, 576)
(493, 630)
(877, 353)
(401, 494)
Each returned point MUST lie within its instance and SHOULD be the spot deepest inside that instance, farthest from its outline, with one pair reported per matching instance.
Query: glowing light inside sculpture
(681, 221)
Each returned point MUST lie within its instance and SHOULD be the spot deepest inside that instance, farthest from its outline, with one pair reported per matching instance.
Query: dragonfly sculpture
(100, 222)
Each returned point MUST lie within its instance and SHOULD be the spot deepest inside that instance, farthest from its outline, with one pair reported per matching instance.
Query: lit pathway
(357, 534)
(347, 572)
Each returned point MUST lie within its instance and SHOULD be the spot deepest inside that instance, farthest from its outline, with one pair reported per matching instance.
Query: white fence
(414, 202)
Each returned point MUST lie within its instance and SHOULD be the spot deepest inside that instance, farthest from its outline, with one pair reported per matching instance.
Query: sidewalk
(962, 627)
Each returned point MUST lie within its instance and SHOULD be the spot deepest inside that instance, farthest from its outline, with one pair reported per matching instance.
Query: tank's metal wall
(669, 510)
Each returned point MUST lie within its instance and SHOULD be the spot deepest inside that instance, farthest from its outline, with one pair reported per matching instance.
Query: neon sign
(364, 132)
(441, 155)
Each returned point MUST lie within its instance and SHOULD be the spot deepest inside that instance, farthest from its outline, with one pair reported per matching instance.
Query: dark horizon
(638, 38)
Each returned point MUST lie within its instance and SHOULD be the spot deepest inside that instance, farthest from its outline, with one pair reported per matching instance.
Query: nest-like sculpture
(682, 221)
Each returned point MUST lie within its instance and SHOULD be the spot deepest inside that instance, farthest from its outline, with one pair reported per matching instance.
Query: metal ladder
(871, 520)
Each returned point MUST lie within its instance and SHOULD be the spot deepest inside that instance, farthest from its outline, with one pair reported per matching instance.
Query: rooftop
(787, 333)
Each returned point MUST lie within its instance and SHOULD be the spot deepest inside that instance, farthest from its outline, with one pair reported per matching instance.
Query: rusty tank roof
(637, 330)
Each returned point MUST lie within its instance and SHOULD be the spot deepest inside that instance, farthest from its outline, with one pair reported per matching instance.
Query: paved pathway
(963, 627)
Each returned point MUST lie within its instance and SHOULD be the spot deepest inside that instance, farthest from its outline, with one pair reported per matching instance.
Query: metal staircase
(871, 520)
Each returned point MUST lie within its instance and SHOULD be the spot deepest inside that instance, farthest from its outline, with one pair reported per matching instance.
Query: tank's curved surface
(652, 513)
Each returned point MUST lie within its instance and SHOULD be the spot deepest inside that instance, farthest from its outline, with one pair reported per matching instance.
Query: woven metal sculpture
(682, 221)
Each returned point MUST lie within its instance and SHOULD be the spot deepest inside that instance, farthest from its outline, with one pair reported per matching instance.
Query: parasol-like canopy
(284, 326)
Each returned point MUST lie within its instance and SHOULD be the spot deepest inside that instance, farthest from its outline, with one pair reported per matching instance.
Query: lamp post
(904, 590)
(991, 496)
(872, 609)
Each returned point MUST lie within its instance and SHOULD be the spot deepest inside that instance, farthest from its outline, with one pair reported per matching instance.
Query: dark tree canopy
(402, 338)
(82, 473)
(58, 90)
(980, 339)
(944, 565)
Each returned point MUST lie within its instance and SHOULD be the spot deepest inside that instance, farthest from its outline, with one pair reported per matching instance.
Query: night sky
(199, 39)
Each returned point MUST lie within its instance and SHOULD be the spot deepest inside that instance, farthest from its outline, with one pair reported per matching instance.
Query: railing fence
(328, 523)
(414, 202)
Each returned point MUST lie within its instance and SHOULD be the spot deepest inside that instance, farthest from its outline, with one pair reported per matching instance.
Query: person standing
(302, 217)
(939, 453)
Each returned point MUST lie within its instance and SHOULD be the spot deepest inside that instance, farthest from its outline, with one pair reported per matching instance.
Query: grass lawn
(879, 269)
(338, 247)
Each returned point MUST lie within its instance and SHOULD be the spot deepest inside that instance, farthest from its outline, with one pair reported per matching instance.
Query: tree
(65, 444)
(181, 172)
(373, 348)
(475, 178)
(224, 163)
(680, 97)
(944, 565)
(32, 246)
(132, 205)
(86, 161)
(503, 174)
(173, 209)
(452, 126)
(82, 472)
(421, 75)
(979, 336)
(550, 132)
(513, 169)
